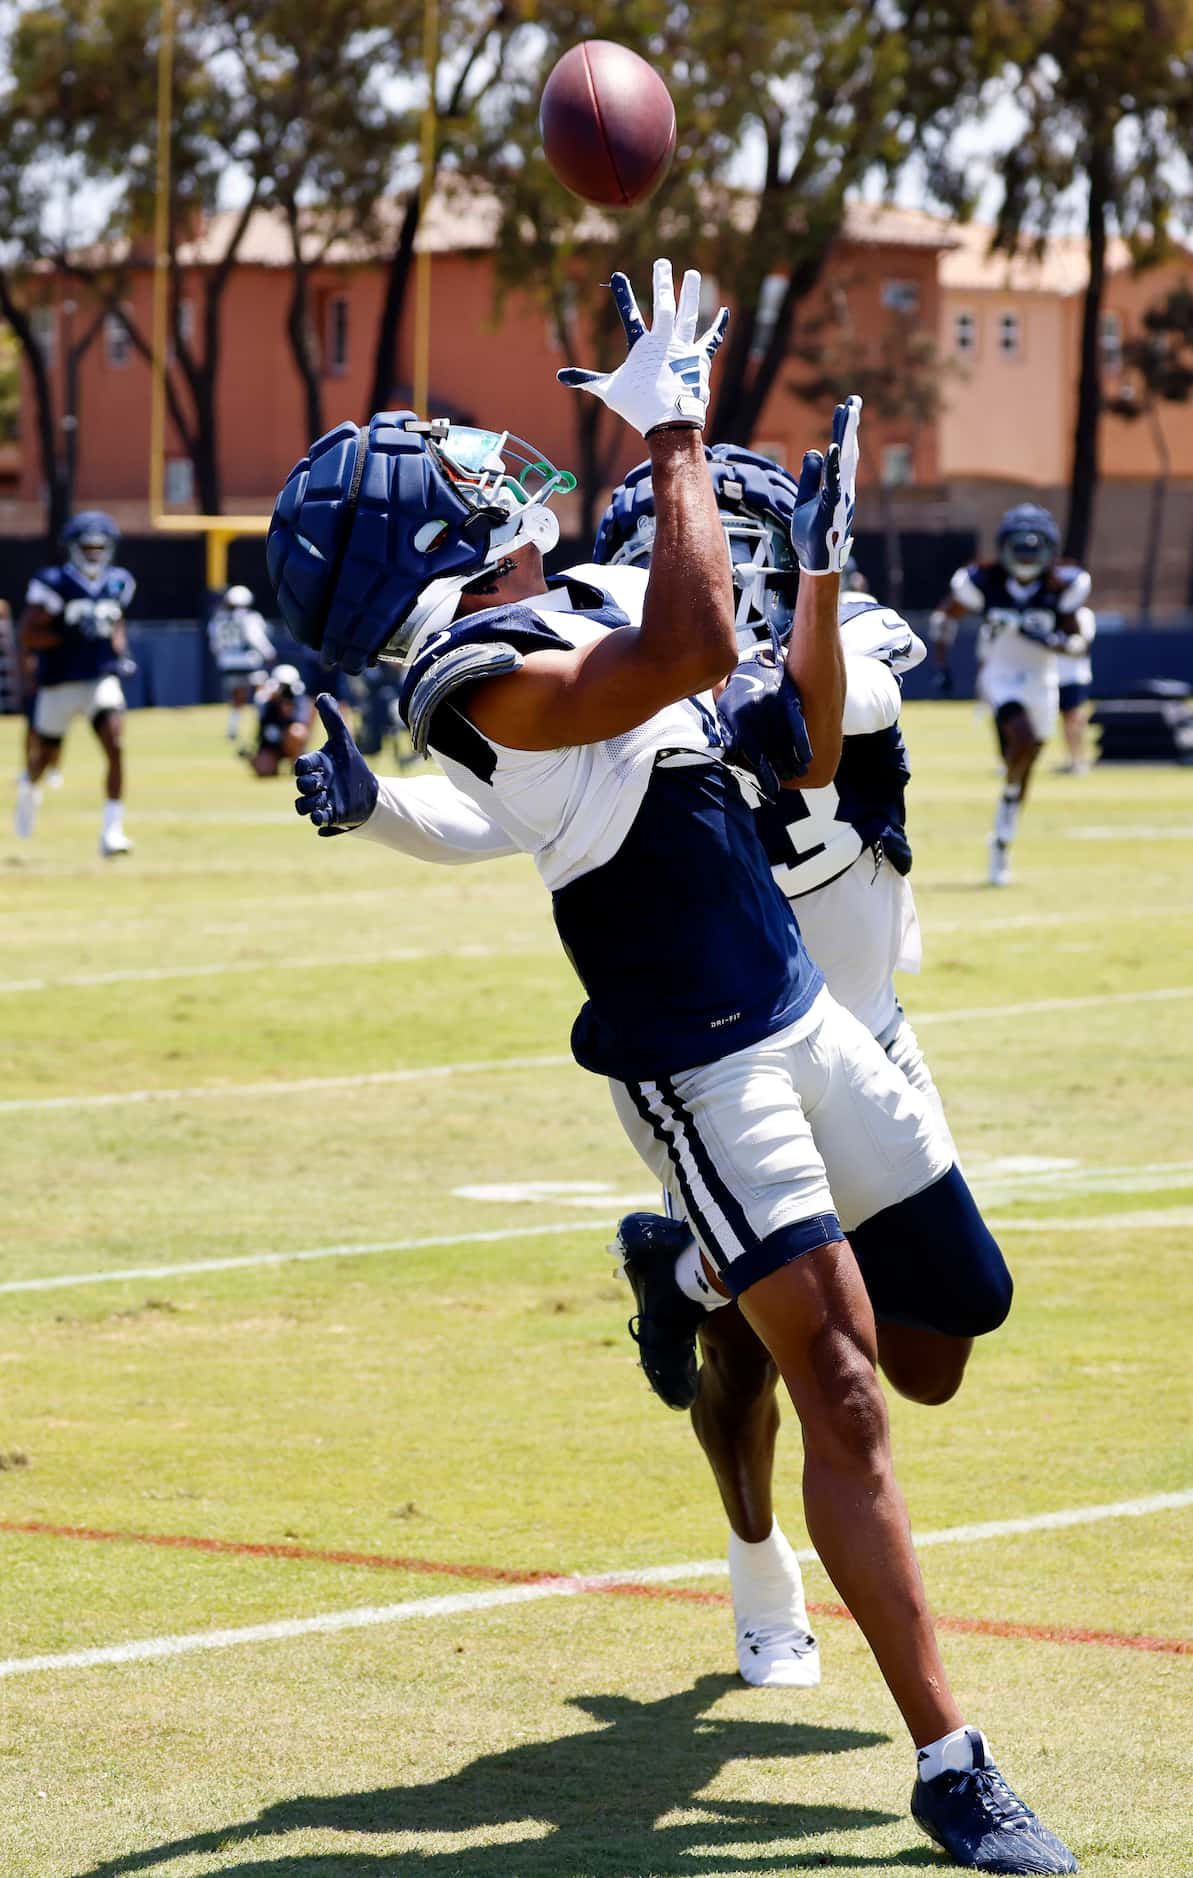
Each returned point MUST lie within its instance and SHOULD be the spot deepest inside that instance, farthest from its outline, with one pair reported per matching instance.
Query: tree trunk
(1155, 520)
(1083, 481)
(298, 331)
(742, 420)
(57, 512)
(385, 356)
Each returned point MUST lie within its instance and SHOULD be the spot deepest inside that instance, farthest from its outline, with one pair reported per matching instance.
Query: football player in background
(598, 750)
(283, 721)
(243, 651)
(1032, 607)
(74, 623)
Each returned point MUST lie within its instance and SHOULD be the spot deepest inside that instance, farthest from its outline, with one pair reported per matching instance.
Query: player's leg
(1074, 718)
(934, 1274)
(108, 724)
(267, 760)
(53, 708)
(1019, 746)
(294, 739)
(736, 1420)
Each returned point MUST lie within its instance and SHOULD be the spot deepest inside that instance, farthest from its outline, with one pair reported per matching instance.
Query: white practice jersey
(239, 639)
(570, 809)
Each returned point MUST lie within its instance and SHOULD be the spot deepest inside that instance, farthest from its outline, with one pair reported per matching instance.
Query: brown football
(607, 124)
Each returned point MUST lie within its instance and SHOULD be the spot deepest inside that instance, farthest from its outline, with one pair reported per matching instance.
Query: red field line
(380, 1561)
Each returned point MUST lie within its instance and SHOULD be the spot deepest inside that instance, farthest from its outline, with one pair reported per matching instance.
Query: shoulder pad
(870, 630)
(462, 665)
(1072, 583)
(969, 585)
(45, 589)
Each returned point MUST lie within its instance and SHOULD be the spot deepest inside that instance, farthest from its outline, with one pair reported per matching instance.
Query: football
(607, 124)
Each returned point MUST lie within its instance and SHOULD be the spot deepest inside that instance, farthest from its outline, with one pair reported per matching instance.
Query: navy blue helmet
(1028, 541)
(756, 498)
(89, 542)
(381, 526)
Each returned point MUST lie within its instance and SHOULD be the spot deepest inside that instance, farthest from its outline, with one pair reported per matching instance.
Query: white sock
(766, 1577)
(691, 1279)
(953, 1753)
(1006, 816)
(113, 817)
(233, 729)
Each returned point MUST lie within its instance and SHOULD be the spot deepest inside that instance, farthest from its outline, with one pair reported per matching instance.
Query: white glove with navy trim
(665, 377)
(822, 524)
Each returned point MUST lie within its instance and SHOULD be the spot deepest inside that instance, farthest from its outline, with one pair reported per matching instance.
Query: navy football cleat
(982, 1823)
(667, 1321)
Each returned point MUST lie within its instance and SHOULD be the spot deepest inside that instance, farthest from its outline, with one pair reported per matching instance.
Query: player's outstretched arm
(686, 641)
(822, 536)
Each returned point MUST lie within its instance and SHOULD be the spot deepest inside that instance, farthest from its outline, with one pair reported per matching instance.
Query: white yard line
(302, 1085)
(1148, 1178)
(68, 1280)
(1095, 1002)
(155, 974)
(1174, 1219)
(205, 1091)
(369, 1616)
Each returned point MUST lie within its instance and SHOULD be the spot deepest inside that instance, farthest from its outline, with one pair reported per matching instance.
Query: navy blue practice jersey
(87, 613)
(662, 895)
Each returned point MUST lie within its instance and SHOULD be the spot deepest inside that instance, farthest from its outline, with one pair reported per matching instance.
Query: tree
(1157, 368)
(900, 377)
(317, 77)
(782, 114)
(1106, 90)
(474, 44)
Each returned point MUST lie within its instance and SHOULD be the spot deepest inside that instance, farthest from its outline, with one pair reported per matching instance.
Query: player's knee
(931, 1262)
(845, 1421)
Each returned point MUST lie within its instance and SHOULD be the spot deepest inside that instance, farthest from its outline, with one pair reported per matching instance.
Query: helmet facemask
(92, 555)
(507, 484)
(1026, 555)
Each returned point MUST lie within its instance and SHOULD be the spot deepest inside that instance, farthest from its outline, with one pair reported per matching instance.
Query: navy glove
(822, 521)
(763, 724)
(336, 787)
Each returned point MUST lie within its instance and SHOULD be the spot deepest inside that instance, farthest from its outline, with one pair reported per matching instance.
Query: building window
(770, 299)
(44, 325)
(1111, 340)
(901, 296)
(337, 335)
(965, 333)
(1010, 336)
(898, 465)
(180, 479)
(118, 349)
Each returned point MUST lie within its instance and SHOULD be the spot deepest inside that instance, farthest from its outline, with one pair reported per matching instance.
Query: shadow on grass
(601, 1796)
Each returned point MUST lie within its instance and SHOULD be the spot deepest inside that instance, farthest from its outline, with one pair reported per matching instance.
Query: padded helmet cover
(343, 548)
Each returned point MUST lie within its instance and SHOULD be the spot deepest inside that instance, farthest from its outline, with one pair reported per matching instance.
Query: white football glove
(664, 379)
(822, 524)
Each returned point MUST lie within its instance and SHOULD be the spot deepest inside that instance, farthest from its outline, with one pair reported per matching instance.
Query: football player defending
(1032, 607)
(595, 743)
(243, 651)
(74, 621)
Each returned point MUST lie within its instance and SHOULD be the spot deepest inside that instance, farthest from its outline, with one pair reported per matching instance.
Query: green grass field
(444, 1395)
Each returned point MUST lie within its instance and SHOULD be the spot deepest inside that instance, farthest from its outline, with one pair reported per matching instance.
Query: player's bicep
(556, 700)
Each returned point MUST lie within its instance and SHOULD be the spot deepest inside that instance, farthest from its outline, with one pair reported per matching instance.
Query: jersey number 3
(809, 831)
